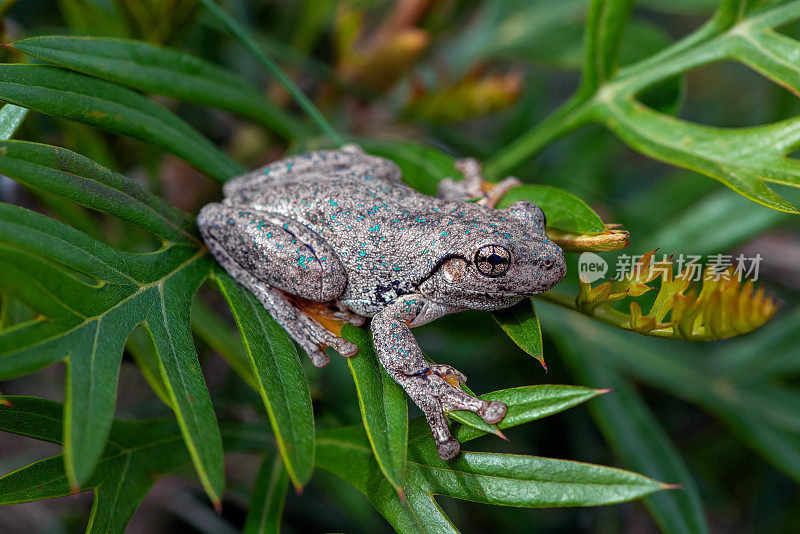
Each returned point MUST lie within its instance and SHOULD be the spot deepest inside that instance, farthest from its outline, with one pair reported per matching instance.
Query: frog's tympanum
(339, 227)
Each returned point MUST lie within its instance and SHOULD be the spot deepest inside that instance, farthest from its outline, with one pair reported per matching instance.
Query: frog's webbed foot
(474, 185)
(432, 387)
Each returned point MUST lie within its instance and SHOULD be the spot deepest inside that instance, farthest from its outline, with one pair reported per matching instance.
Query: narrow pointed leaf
(639, 440)
(168, 323)
(525, 481)
(108, 106)
(162, 71)
(268, 496)
(91, 392)
(383, 406)
(77, 178)
(280, 378)
(522, 326)
(525, 404)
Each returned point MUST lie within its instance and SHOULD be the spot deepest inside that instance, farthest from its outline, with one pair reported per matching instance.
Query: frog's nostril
(548, 264)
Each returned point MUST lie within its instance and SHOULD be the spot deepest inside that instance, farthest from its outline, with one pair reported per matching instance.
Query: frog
(340, 229)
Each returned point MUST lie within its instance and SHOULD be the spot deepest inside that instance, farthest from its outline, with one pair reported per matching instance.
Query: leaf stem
(573, 114)
(241, 34)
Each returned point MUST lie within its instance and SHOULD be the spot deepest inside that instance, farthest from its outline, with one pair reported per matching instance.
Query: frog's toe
(345, 348)
(448, 449)
(317, 356)
(493, 412)
(452, 375)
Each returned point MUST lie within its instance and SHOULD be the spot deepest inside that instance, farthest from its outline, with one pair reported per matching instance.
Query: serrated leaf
(108, 106)
(267, 498)
(383, 407)
(162, 71)
(522, 326)
(564, 211)
(90, 296)
(280, 378)
(137, 454)
(744, 159)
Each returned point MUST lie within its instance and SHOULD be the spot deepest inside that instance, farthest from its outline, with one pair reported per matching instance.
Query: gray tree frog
(339, 227)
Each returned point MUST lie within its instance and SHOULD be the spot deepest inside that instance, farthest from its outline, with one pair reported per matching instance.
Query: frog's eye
(492, 260)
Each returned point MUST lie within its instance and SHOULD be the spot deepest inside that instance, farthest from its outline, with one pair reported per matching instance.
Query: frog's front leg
(432, 387)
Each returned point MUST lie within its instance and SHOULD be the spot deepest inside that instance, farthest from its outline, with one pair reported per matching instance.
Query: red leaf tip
(672, 486)
(217, 506)
(604, 391)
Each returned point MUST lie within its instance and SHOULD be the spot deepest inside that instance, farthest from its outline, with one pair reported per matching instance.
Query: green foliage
(85, 286)
(741, 158)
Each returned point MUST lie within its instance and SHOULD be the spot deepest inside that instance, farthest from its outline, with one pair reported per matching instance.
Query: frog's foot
(474, 185)
(312, 336)
(435, 390)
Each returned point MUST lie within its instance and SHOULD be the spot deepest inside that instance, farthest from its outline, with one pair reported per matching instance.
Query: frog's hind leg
(307, 332)
(274, 256)
(474, 185)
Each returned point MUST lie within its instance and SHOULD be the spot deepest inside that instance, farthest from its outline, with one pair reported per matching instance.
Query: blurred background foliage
(469, 78)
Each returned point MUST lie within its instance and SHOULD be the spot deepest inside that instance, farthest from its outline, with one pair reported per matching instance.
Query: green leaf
(525, 404)
(138, 451)
(243, 36)
(280, 378)
(636, 436)
(137, 454)
(161, 71)
(110, 107)
(522, 326)
(741, 158)
(564, 210)
(383, 406)
(269, 494)
(744, 159)
(93, 298)
(423, 167)
(11, 118)
(74, 177)
(346, 453)
(524, 481)
(169, 326)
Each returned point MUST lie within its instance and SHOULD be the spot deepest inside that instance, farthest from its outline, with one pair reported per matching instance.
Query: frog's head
(497, 268)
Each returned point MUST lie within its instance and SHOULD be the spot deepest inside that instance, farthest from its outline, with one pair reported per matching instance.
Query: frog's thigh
(277, 250)
(350, 159)
(307, 332)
